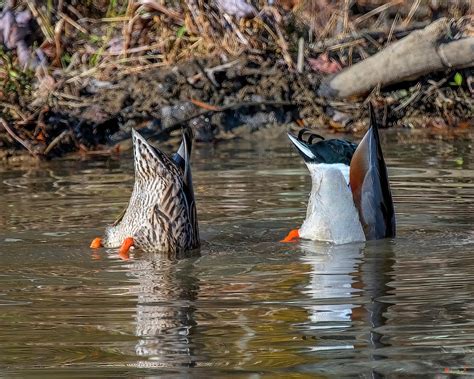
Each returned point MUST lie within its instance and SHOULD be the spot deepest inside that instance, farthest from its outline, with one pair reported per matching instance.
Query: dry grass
(103, 35)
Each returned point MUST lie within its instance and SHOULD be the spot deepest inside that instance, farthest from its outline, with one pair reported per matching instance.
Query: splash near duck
(161, 214)
(350, 199)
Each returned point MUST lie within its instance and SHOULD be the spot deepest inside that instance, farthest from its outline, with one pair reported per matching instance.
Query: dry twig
(16, 138)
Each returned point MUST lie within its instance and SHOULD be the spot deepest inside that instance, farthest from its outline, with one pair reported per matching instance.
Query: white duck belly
(331, 215)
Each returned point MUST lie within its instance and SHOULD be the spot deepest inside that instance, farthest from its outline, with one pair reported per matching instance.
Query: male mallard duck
(161, 214)
(350, 198)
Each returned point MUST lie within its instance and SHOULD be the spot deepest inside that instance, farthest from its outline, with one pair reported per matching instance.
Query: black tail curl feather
(311, 137)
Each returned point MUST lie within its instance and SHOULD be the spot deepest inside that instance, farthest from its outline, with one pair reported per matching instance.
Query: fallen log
(421, 52)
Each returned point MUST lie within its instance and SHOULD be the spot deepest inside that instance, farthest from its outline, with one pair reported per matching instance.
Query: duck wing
(183, 159)
(370, 185)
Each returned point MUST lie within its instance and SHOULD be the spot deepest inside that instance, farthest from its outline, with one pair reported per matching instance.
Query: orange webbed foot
(124, 249)
(96, 243)
(292, 236)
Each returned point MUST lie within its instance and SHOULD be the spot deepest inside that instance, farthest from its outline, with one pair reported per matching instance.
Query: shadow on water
(246, 305)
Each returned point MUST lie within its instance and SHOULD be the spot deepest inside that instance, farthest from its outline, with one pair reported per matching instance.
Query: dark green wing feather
(323, 151)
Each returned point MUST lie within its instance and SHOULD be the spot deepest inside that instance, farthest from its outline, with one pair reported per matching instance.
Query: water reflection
(165, 308)
(345, 284)
(330, 281)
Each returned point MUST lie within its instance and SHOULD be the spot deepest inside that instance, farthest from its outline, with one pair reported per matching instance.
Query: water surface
(246, 306)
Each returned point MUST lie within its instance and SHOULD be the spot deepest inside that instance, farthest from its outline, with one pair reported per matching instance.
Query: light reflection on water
(245, 305)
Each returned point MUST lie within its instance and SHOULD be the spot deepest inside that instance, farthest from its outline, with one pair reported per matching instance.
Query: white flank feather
(331, 215)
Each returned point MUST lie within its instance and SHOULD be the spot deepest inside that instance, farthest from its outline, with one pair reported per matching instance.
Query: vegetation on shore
(76, 75)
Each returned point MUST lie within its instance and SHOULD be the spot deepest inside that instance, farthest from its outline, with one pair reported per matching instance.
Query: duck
(161, 213)
(350, 199)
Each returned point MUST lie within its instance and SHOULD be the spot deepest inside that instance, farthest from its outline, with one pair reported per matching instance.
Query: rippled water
(247, 306)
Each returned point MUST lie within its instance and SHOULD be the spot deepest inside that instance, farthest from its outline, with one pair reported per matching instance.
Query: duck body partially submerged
(350, 199)
(331, 215)
(161, 214)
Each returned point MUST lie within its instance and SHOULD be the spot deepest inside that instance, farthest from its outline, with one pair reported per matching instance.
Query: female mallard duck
(161, 214)
(350, 198)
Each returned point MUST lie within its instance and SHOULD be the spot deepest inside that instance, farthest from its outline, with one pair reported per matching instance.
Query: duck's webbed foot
(96, 243)
(293, 235)
(124, 249)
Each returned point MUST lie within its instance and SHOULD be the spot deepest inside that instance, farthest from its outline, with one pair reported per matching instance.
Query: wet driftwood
(422, 52)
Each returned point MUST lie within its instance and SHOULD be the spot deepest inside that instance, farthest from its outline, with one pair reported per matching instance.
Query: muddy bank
(96, 75)
(221, 100)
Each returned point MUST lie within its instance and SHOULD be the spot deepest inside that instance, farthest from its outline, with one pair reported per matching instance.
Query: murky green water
(248, 306)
